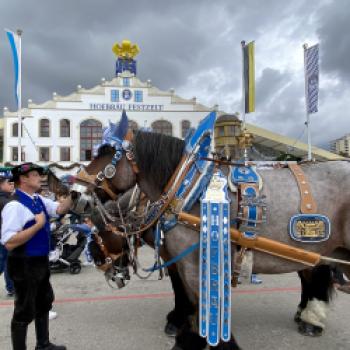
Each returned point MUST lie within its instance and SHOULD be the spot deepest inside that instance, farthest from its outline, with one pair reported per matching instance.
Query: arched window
(133, 126)
(162, 127)
(90, 135)
(15, 130)
(64, 128)
(185, 125)
(44, 128)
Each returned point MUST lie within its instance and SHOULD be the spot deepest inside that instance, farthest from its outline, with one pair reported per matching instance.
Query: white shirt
(15, 215)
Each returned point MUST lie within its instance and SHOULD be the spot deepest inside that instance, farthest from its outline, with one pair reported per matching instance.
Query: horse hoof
(309, 329)
(297, 318)
(170, 330)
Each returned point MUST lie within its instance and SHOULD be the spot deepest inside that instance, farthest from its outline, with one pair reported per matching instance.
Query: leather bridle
(103, 177)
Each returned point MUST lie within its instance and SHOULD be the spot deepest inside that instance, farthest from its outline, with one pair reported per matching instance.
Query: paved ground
(93, 316)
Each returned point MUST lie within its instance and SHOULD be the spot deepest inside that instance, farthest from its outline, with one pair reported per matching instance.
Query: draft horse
(152, 163)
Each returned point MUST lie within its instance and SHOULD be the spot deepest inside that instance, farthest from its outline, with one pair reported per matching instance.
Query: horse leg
(320, 291)
(183, 307)
(187, 338)
(230, 345)
(305, 276)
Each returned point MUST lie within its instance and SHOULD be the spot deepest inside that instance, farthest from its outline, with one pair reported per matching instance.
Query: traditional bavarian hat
(26, 168)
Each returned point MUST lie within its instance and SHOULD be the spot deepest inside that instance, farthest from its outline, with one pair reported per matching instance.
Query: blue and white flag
(312, 78)
(15, 47)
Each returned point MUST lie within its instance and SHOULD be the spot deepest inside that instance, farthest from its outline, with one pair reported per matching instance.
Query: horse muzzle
(82, 199)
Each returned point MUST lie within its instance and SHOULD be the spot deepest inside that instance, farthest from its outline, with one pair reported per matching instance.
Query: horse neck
(148, 188)
(157, 157)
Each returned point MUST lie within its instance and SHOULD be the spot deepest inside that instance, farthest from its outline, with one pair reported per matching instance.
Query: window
(233, 130)
(15, 130)
(221, 131)
(14, 154)
(185, 125)
(65, 154)
(44, 128)
(133, 126)
(44, 154)
(114, 95)
(90, 136)
(138, 96)
(126, 81)
(64, 128)
(162, 127)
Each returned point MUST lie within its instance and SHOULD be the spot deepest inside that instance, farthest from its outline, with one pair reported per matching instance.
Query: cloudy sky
(192, 46)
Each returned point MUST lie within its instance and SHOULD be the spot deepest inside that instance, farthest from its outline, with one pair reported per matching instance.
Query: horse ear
(122, 127)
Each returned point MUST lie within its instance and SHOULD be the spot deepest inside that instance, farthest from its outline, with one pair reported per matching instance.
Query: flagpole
(245, 154)
(19, 104)
(309, 153)
(243, 87)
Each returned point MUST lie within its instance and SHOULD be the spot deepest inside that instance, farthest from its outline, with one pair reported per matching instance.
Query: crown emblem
(126, 49)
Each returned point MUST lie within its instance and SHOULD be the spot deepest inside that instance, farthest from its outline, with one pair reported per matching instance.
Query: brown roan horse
(156, 158)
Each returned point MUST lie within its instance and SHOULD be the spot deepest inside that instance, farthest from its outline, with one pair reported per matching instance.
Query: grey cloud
(66, 43)
(333, 30)
(269, 84)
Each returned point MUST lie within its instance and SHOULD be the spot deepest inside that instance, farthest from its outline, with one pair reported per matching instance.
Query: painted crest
(309, 228)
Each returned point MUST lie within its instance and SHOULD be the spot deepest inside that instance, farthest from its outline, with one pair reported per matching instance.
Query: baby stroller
(69, 241)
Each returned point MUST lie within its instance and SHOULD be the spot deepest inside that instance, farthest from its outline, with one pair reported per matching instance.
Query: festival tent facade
(63, 131)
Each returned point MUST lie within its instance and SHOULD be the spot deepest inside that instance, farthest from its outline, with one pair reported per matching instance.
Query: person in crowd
(6, 189)
(25, 232)
(88, 258)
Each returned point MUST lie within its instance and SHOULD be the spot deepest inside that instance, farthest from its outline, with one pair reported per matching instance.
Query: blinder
(120, 147)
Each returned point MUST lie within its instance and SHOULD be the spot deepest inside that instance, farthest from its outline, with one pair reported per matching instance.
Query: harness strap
(308, 204)
(109, 257)
(83, 176)
(168, 197)
(187, 251)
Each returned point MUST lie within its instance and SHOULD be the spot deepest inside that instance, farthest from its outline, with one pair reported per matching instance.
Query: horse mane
(157, 156)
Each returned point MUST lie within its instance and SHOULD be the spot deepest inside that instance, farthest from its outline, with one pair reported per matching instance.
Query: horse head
(109, 250)
(112, 170)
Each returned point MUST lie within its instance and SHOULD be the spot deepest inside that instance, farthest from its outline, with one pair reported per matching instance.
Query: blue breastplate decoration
(198, 146)
(39, 244)
(215, 263)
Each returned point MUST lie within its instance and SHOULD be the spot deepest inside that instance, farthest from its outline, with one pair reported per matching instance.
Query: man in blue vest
(6, 189)
(26, 233)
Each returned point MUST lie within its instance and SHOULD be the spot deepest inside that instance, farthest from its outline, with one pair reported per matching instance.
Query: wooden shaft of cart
(262, 244)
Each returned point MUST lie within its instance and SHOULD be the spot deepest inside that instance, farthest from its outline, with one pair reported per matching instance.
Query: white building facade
(341, 145)
(65, 129)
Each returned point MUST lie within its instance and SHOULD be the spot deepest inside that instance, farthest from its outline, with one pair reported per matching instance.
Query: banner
(249, 77)
(15, 47)
(311, 56)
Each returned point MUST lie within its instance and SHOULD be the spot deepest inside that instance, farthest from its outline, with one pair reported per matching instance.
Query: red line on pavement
(4, 304)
